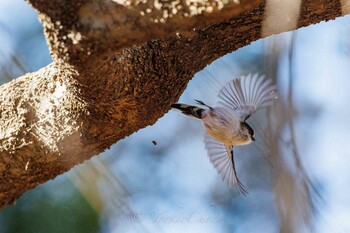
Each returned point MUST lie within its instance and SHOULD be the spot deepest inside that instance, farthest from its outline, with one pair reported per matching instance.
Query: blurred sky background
(297, 172)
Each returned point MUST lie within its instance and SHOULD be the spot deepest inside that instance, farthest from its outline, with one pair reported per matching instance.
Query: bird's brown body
(224, 125)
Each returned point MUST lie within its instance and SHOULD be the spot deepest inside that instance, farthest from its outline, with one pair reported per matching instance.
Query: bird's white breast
(222, 124)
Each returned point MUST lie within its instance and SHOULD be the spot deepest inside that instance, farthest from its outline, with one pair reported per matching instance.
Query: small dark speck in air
(154, 142)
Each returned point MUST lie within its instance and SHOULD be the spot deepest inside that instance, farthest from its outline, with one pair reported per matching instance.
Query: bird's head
(248, 132)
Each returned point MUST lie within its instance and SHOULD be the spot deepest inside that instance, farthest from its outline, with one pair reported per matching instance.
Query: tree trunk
(116, 68)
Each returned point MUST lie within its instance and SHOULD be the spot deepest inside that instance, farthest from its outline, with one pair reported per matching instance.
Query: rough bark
(115, 71)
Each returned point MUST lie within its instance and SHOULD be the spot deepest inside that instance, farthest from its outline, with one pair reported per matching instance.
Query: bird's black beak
(253, 138)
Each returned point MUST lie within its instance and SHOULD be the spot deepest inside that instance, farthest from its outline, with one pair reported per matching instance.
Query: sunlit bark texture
(117, 66)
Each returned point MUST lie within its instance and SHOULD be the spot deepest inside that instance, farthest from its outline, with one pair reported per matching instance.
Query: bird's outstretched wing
(223, 160)
(247, 94)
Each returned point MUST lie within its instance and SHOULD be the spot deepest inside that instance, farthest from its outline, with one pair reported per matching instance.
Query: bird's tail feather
(189, 110)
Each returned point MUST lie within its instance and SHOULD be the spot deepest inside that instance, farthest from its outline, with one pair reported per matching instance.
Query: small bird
(225, 124)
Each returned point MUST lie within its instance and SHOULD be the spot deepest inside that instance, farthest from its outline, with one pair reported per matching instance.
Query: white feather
(247, 94)
(222, 158)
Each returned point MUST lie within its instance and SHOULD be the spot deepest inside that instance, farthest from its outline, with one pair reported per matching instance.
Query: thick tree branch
(100, 88)
(77, 29)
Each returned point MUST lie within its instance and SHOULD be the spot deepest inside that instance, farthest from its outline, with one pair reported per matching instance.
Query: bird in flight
(225, 124)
